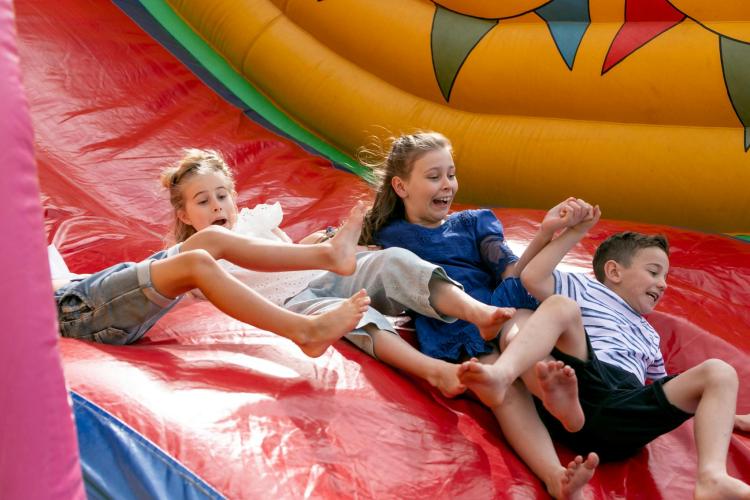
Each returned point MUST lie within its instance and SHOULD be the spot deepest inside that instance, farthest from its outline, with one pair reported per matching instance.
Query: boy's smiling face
(643, 283)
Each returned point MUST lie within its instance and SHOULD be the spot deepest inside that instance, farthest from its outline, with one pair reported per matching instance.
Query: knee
(198, 262)
(396, 255)
(563, 308)
(208, 239)
(719, 373)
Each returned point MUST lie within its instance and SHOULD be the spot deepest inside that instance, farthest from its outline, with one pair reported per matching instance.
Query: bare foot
(559, 386)
(573, 478)
(720, 487)
(489, 319)
(344, 243)
(445, 379)
(488, 382)
(326, 328)
(742, 422)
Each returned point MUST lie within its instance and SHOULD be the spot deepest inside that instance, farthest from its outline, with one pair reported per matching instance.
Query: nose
(215, 205)
(662, 284)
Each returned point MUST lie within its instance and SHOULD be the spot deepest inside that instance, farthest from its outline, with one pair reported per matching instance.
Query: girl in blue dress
(411, 210)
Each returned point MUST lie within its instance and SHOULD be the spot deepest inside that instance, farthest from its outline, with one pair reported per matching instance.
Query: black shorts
(622, 414)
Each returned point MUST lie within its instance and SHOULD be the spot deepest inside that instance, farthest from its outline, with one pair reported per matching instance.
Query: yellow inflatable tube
(651, 134)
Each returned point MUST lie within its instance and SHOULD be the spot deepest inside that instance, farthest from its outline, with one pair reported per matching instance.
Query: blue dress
(471, 248)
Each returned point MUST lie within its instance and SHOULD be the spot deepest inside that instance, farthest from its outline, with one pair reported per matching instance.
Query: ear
(183, 217)
(612, 271)
(398, 185)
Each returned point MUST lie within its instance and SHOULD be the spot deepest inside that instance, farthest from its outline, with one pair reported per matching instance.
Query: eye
(451, 176)
(222, 196)
(202, 202)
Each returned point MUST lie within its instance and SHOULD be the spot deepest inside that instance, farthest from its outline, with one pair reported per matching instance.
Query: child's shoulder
(475, 214)
(481, 219)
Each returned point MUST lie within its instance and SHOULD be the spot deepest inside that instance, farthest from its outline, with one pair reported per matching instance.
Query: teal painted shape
(735, 61)
(453, 38)
(568, 20)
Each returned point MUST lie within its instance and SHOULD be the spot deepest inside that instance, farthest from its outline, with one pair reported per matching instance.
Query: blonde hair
(398, 161)
(194, 162)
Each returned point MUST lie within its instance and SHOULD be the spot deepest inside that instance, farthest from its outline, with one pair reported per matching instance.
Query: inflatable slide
(207, 407)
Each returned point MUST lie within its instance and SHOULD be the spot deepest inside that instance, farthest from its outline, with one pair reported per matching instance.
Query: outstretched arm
(537, 274)
(565, 214)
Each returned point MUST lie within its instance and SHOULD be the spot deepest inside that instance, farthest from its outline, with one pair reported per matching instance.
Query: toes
(542, 370)
(507, 312)
(592, 460)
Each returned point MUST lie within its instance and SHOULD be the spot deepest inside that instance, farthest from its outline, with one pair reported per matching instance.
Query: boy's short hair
(621, 247)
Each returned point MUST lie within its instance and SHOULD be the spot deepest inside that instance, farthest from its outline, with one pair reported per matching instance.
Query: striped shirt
(618, 334)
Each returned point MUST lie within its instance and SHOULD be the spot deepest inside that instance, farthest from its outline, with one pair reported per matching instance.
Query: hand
(319, 236)
(589, 220)
(312, 238)
(567, 213)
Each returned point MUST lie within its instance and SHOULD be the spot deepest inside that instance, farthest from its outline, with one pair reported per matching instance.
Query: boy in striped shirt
(587, 352)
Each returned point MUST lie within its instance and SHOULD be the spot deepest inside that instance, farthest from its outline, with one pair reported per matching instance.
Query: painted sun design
(458, 26)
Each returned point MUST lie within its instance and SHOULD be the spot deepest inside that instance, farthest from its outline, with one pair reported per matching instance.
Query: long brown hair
(194, 162)
(398, 161)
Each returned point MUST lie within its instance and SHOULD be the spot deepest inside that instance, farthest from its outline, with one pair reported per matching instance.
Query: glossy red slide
(239, 412)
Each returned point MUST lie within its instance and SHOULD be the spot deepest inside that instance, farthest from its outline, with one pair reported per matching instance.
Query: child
(119, 304)
(411, 211)
(610, 349)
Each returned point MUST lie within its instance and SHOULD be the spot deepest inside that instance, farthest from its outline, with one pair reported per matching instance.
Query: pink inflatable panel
(38, 453)
(243, 409)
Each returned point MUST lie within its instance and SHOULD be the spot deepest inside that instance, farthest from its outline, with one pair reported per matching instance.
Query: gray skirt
(396, 281)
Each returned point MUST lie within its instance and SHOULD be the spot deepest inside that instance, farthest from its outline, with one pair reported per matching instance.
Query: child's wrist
(545, 233)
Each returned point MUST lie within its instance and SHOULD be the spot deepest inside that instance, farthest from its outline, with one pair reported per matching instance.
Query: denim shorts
(117, 305)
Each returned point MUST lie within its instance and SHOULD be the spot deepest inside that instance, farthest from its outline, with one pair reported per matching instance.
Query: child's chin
(648, 309)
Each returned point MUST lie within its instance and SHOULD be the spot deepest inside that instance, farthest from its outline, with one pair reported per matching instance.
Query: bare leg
(197, 269)
(398, 353)
(336, 254)
(450, 300)
(527, 435)
(529, 438)
(556, 323)
(710, 391)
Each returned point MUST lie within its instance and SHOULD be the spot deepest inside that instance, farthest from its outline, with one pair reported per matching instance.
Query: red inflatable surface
(244, 409)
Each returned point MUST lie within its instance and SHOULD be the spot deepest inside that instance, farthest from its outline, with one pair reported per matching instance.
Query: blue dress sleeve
(495, 252)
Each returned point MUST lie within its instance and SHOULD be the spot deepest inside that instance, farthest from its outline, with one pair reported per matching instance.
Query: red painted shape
(644, 21)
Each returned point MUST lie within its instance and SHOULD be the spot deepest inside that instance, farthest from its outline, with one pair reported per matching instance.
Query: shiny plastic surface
(244, 409)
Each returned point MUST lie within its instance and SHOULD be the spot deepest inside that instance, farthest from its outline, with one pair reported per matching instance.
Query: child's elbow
(532, 284)
(527, 278)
